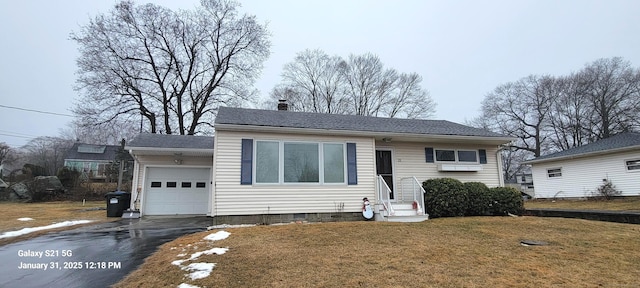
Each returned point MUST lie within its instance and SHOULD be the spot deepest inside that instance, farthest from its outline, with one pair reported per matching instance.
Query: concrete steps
(403, 212)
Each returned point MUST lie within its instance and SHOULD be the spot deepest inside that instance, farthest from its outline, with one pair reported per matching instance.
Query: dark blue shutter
(483, 156)
(429, 154)
(352, 169)
(246, 165)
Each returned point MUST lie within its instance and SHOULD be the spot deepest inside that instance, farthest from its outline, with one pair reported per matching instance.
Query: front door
(384, 168)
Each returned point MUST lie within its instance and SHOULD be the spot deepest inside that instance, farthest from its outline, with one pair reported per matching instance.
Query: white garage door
(173, 191)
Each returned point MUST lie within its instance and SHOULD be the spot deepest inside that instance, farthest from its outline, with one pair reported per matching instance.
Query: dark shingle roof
(171, 141)
(619, 141)
(81, 151)
(289, 119)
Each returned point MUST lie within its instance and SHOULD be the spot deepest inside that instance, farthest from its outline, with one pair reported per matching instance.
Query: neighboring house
(307, 166)
(525, 180)
(92, 161)
(578, 172)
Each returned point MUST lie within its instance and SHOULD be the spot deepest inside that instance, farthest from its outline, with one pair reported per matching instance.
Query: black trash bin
(117, 202)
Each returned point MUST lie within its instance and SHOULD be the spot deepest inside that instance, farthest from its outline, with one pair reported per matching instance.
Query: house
(92, 161)
(278, 165)
(522, 182)
(579, 171)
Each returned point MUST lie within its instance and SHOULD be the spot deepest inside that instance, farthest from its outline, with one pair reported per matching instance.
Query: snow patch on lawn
(217, 251)
(185, 285)
(34, 229)
(217, 236)
(25, 219)
(222, 226)
(200, 270)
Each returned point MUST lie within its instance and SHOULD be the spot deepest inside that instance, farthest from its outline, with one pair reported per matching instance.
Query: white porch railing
(412, 192)
(384, 196)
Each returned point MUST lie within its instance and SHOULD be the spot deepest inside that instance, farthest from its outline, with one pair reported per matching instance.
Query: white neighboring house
(307, 166)
(2, 183)
(578, 172)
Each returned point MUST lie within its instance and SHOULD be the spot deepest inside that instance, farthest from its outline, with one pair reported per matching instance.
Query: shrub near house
(448, 197)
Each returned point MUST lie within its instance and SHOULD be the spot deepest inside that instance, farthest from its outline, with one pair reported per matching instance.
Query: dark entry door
(384, 168)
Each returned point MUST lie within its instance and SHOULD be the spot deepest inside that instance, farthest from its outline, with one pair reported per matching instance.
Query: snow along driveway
(92, 255)
(40, 228)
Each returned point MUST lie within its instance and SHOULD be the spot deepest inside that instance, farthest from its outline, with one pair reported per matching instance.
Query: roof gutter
(291, 130)
(582, 155)
(172, 150)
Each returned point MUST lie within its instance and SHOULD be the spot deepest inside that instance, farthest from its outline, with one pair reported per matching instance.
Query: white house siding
(409, 160)
(232, 198)
(144, 161)
(582, 176)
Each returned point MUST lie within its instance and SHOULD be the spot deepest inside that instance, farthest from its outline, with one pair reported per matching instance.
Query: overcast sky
(462, 49)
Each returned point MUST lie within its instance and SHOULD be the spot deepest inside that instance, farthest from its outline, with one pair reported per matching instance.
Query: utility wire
(16, 133)
(37, 111)
(3, 134)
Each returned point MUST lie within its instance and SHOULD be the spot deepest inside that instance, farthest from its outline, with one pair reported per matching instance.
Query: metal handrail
(417, 191)
(383, 190)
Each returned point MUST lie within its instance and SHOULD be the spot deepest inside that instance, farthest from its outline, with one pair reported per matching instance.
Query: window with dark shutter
(352, 170)
(483, 156)
(246, 172)
(429, 154)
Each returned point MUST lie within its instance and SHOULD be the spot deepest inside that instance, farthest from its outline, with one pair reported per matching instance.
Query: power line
(18, 136)
(17, 133)
(37, 111)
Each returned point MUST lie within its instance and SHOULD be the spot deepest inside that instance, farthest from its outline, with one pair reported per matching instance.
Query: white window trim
(455, 153)
(281, 163)
(554, 168)
(626, 166)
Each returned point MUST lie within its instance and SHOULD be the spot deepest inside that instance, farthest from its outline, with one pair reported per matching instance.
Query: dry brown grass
(45, 214)
(444, 252)
(626, 203)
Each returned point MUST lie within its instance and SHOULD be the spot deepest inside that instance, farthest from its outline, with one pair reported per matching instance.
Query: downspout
(499, 165)
(212, 194)
(135, 189)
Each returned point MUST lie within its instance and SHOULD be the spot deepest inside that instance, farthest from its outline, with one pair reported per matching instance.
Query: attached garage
(177, 191)
(172, 174)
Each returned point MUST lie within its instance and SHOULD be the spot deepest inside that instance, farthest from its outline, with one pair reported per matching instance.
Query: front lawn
(47, 213)
(443, 252)
(618, 204)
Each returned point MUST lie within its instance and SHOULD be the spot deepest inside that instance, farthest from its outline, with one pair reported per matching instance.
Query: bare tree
(368, 84)
(5, 152)
(47, 152)
(613, 95)
(102, 134)
(569, 121)
(312, 83)
(511, 161)
(360, 85)
(408, 99)
(173, 68)
(521, 109)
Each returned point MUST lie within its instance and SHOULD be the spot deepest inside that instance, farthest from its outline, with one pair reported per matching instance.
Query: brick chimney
(282, 105)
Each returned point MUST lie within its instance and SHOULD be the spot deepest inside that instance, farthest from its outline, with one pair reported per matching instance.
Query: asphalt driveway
(91, 256)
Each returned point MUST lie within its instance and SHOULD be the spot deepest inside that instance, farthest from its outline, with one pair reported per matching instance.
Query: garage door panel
(177, 191)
